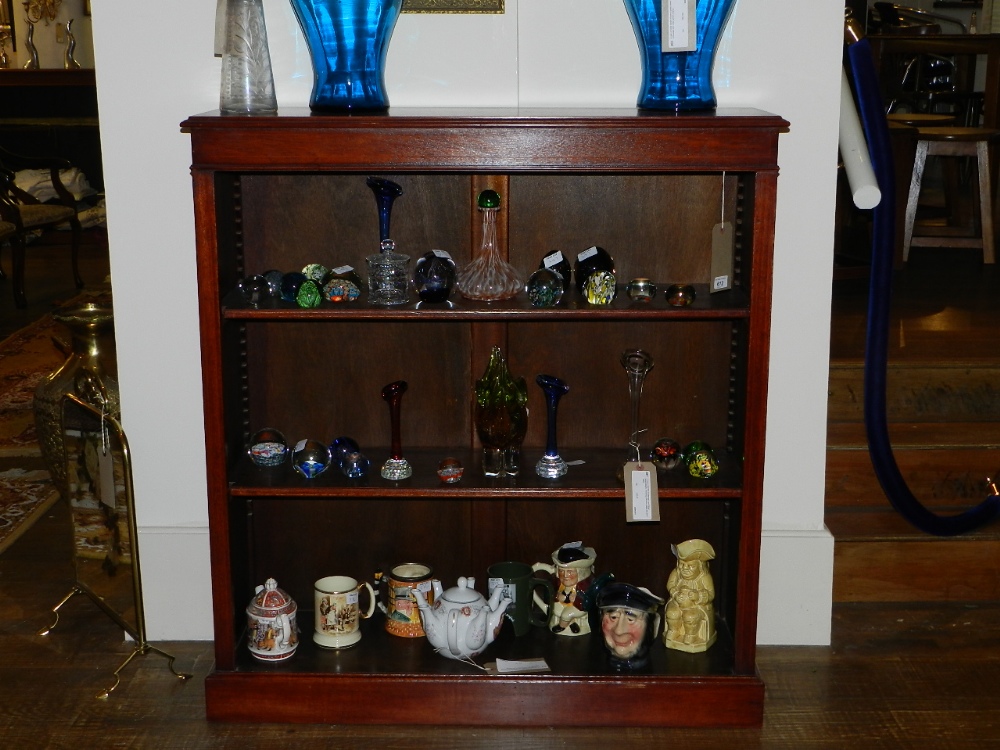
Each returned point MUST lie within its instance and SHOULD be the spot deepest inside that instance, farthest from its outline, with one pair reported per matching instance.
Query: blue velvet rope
(861, 67)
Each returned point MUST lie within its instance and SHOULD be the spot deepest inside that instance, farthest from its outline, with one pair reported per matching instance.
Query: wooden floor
(896, 676)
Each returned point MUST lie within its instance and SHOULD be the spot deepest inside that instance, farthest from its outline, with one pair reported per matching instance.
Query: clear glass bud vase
(247, 82)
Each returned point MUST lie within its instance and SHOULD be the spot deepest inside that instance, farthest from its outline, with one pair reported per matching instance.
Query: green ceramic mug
(520, 582)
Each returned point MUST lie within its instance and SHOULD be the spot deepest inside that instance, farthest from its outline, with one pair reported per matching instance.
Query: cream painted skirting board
(796, 588)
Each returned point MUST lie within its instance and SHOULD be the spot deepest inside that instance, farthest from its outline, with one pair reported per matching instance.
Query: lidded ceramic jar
(272, 632)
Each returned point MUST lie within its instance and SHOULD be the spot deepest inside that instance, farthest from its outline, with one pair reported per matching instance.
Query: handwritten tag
(642, 497)
(510, 666)
(679, 26)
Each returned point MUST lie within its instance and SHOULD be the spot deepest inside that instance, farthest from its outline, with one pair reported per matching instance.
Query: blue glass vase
(348, 41)
(677, 80)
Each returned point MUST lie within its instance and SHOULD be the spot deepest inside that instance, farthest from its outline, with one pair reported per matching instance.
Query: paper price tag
(642, 498)
(678, 20)
(106, 468)
(723, 244)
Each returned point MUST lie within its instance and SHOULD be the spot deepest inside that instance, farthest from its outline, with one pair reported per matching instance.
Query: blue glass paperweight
(355, 465)
(348, 41)
(290, 284)
(677, 70)
(434, 276)
(310, 458)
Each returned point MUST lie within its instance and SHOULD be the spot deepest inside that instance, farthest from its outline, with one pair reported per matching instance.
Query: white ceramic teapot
(462, 623)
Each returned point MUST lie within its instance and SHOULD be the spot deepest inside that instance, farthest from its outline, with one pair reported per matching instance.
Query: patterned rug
(26, 491)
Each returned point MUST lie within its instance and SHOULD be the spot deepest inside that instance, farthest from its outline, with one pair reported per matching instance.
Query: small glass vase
(247, 83)
(677, 80)
(348, 41)
(396, 467)
(501, 417)
(551, 465)
(489, 277)
(637, 364)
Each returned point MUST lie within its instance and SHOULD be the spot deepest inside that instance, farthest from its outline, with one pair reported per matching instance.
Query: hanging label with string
(642, 497)
(723, 245)
(679, 27)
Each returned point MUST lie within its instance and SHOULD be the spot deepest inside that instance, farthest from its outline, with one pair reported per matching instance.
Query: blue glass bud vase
(348, 41)
(551, 465)
(672, 79)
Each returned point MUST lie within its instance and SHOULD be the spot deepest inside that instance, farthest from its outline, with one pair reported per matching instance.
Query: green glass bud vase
(501, 417)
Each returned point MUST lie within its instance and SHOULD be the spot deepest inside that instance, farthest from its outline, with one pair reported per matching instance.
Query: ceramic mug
(520, 582)
(338, 612)
(402, 617)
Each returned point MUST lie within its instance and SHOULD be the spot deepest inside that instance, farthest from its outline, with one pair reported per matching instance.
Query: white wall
(560, 52)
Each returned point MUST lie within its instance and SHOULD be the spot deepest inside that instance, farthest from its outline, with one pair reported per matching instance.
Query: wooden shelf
(280, 192)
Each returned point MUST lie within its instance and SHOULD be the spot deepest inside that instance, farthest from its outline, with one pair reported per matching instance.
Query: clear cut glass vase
(247, 82)
(348, 41)
(677, 75)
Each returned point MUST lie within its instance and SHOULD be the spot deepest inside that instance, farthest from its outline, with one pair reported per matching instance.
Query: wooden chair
(27, 214)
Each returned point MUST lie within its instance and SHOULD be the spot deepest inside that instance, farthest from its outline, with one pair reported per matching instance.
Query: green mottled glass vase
(501, 417)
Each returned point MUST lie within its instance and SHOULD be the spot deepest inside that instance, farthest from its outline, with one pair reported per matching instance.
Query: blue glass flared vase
(677, 80)
(348, 41)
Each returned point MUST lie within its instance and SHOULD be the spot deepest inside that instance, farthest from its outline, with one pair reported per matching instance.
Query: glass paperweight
(343, 446)
(308, 295)
(590, 260)
(396, 467)
(388, 276)
(666, 454)
(556, 261)
(310, 458)
(342, 284)
(385, 192)
(489, 277)
(290, 284)
(551, 465)
(501, 417)
(641, 290)
(680, 295)
(546, 287)
(255, 290)
(450, 470)
(434, 276)
(316, 272)
(274, 282)
(354, 465)
(600, 288)
(700, 459)
(268, 448)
